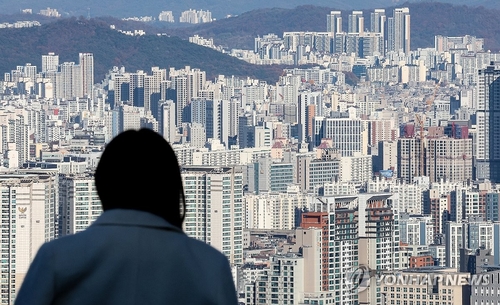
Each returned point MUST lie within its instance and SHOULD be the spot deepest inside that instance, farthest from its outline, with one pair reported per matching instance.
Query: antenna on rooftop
(88, 13)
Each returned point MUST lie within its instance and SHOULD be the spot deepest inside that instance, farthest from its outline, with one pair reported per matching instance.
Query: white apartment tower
(87, 69)
(214, 208)
(50, 62)
(79, 203)
(120, 80)
(399, 31)
(348, 133)
(473, 233)
(166, 16)
(356, 23)
(378, 20)
(129, 118)
(334, 23)
(167, 120)
(187, 83)
(28, 220)
(196, 135)
(69, 82)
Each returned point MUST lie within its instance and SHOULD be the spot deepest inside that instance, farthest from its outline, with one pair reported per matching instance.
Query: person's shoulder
(71, 241)
(203, 248)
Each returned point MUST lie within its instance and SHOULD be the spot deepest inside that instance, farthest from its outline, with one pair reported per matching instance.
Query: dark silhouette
(144, 162)
(136, 251)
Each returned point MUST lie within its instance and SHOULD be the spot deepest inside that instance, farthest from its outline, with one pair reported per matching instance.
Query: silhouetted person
(136, 251)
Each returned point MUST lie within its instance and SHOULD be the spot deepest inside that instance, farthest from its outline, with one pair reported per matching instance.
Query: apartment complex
(214, 208)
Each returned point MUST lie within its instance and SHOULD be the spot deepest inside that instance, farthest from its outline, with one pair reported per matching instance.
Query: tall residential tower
(488, 125)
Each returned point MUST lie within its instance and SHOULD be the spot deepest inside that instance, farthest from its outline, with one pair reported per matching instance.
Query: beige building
(214, 208)
(357, 168)
(387, 157)
(308, 242)
(429, 286)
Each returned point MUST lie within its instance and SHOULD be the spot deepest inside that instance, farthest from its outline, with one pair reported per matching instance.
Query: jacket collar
(126, 217)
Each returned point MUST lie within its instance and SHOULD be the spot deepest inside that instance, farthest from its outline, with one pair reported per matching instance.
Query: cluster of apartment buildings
(304, 184)
(190, 16)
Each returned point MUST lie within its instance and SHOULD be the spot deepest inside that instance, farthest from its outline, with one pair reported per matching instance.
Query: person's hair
(138, 170)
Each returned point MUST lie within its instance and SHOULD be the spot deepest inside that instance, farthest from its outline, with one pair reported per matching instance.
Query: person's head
(138, 170)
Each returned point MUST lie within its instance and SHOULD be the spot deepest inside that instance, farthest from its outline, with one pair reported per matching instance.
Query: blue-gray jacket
(128, 257)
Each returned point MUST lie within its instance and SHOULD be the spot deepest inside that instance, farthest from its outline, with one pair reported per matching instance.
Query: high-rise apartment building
(358, 231)
(87, 69)
(410, 159)
(129, 118)
(166, 120)
(274, 210)
(136, 88)
(166, 16)
(487, 141)
(69, 81)
(337, 218)
(187, 83)
(214, 208)
(473, 233)
(29, 202)
(378, 21)
(356, 23)
(120, 90)
(348, 133)
(378, 242)
(196, 135)
(50, 62)
(194, 16)
(153, 88)
(387, 156)
(79, 203)
(416, 230)
(398, 31)
(314, 172)
(334, 23)
(448, 158)
(282, 283)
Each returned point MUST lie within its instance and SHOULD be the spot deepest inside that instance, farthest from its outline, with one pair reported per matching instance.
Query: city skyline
(317, 189)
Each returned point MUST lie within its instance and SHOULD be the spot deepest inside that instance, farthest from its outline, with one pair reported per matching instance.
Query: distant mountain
(70, 36)
(427, 20)
(219, 8)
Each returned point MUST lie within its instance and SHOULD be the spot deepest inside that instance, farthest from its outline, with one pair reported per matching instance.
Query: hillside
(68, 37)
(427, 20)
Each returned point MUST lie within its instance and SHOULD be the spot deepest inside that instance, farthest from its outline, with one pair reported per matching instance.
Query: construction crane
(420, 122)
(430, 101)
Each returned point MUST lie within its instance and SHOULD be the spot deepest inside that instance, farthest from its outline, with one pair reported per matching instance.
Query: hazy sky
(219, 8)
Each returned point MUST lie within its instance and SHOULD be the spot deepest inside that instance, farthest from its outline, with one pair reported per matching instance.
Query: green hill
(68, 37)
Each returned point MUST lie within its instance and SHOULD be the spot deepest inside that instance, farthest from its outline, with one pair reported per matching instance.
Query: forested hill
(68, 37)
